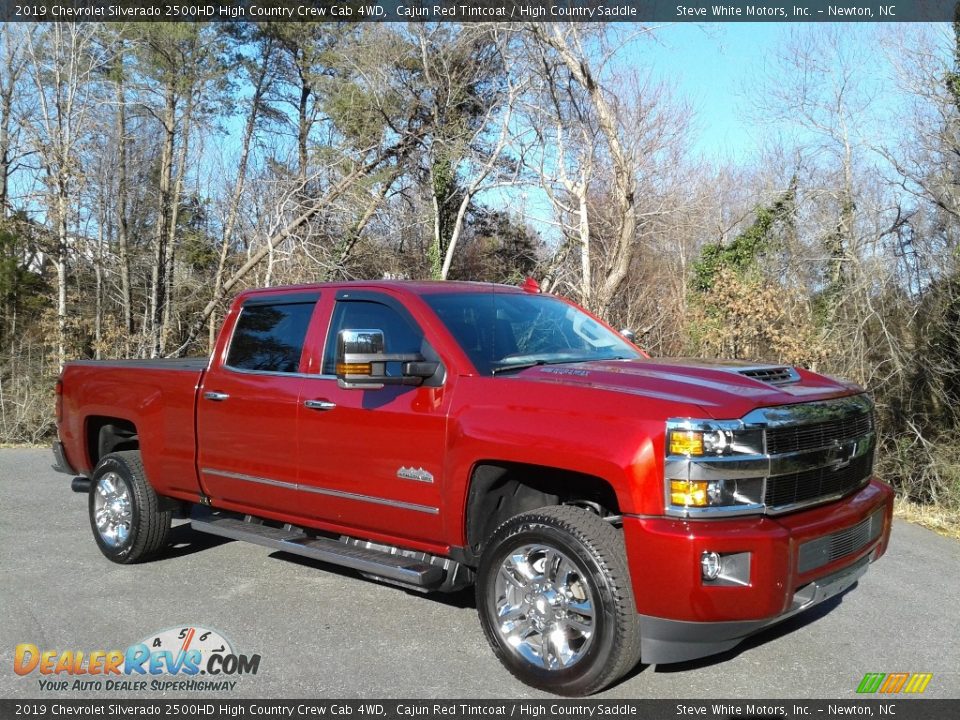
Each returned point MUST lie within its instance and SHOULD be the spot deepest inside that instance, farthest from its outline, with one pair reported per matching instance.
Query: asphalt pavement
(322, 632)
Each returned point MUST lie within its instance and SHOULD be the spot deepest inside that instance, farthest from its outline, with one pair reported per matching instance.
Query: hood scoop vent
(772, 375)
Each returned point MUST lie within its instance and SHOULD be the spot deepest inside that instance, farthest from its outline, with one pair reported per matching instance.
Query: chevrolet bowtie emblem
(842, 455)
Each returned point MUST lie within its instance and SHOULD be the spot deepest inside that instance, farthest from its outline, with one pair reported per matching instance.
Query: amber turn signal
(688, 493)
(354, 369)
(686, 442)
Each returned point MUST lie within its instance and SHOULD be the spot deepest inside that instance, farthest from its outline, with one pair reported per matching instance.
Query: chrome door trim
(323, 491)
(274, 373)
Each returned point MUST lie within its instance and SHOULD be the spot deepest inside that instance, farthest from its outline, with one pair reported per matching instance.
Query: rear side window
(269, 338)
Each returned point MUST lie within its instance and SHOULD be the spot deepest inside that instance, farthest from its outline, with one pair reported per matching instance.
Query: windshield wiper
(554, 361)
(524, 366)
(535, 363)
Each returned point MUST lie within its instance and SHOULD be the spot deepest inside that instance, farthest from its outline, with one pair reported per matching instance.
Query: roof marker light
(531, 286)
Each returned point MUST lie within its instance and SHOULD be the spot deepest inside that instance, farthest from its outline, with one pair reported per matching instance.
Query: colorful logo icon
(894, 682)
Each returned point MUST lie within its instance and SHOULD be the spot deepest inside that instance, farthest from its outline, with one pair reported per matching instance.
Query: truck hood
(723, 389)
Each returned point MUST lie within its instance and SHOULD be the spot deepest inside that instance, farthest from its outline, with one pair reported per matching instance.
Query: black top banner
(475, 11)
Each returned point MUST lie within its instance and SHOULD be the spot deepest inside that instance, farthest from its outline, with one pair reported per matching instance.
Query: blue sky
(709, 65)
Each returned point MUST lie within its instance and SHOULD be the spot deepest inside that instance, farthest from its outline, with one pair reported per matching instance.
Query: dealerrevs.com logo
(189, 658)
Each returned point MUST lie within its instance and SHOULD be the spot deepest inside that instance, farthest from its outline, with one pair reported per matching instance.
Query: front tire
(125, 513)
(555, 601)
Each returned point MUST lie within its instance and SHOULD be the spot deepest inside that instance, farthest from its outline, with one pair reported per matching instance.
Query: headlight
(713, 467)
(706, 438)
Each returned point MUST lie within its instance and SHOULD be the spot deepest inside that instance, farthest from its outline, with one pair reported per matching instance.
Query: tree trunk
(233, 210)
(436, 245)
(623, 168)
(14, 67)
(6, 110)
(345, 247)
(303, 131)
(61, 209)
(171, 245)
(586, 277)
(123, 226)
(98, 305)
(161, 234)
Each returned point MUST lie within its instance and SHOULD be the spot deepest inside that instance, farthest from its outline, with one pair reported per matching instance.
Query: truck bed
(157, 396)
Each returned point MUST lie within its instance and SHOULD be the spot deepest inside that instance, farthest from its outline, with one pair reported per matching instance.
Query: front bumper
(683, 618)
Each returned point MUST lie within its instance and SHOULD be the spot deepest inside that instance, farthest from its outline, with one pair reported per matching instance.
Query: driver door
(372, 459)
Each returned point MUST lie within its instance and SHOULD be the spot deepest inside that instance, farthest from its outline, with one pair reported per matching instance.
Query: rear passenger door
(247, 410)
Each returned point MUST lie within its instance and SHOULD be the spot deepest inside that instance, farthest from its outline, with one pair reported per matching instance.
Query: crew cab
(608, 507)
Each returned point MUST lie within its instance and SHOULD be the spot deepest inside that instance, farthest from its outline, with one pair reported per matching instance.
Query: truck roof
(415, 287)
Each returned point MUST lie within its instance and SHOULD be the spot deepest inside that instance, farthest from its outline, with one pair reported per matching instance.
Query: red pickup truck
(607, 506)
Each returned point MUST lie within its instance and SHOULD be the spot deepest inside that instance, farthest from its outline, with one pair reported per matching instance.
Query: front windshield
(504, 331)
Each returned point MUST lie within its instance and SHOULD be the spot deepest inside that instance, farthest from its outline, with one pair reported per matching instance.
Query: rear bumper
(61, 464)
(796, 561)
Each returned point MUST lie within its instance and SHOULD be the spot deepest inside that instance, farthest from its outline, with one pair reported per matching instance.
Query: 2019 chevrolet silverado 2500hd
(608, 507)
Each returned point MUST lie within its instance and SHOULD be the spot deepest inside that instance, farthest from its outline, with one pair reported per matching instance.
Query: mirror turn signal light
(354, 369)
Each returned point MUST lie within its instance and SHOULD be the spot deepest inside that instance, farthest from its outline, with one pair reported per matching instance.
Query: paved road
(326, 633)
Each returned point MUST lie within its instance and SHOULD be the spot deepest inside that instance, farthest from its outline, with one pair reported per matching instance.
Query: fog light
(710, 565)
(688, 493)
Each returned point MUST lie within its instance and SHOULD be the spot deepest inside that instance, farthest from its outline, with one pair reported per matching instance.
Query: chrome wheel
(112, 510)
(545, 609)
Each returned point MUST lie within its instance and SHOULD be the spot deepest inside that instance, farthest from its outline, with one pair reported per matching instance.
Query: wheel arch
(500, 489)
(104, 435)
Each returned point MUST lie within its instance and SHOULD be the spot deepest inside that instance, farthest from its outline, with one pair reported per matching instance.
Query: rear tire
(125, 513)
(555, 601)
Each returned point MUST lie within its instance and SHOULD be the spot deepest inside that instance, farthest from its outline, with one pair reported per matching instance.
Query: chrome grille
(796, 438)
(773, 375)
(780, 458)
(824, 550)
(819, 483)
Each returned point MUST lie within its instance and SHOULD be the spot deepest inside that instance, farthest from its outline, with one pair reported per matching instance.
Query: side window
(400, 334)
(269, 338)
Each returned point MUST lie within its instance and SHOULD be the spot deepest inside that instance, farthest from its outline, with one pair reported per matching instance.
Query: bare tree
(261, 74)
(13, 40)
(62, 58)
(179, 67)
(284, 229)
(568, 43)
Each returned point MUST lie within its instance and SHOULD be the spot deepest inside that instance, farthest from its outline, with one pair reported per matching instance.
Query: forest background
(149, 172)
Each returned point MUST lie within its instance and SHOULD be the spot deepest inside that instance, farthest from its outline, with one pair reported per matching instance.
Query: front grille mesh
(818, 483)
(795, 438)
(822, 551)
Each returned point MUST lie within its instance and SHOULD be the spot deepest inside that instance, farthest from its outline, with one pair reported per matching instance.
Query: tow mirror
(362, 362)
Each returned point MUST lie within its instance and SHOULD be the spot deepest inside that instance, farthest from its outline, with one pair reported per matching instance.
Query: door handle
(319, 404)
(215, 396)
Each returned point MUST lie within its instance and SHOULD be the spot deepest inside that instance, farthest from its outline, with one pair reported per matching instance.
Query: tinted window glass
(400, 335)
(270, 337)
(499, 330)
